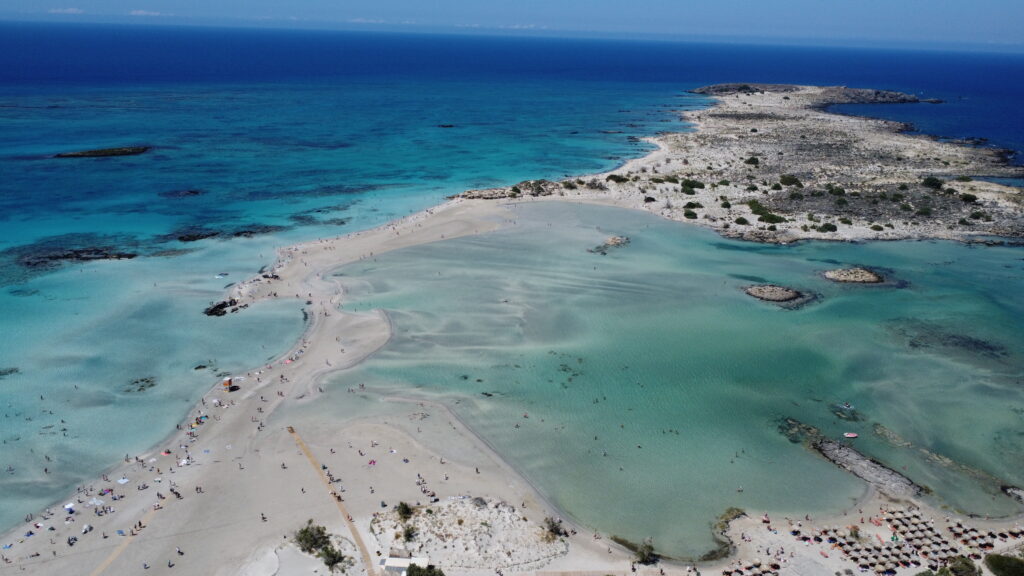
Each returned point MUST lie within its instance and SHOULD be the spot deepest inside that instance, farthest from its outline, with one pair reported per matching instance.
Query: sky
(996, 24)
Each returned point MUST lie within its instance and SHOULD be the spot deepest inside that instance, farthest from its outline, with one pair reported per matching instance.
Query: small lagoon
(654, 387)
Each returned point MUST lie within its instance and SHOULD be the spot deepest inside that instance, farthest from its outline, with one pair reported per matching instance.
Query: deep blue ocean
(263, 138)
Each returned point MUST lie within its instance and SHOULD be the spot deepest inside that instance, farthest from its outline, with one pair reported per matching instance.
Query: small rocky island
(771, 163)
(854, 276)
(106, 152)
(772, 293)
(781, 296)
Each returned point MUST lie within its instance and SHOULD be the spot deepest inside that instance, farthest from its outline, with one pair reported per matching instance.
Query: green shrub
(790, 180)
(877, 228)
(776, 186)
(752, 188)
(616, 178)
(404, 511)
(430, 570)
(827, 227)
(924, 211)
(1001, 565)
(690, 214)
(312, 537)
(753, 161)
(723, 182)
(842, 201)
(332, 557)
(568, 185)
(796, 196)
(904, 187)
(764, 215)
(672, 179)
(932, 182)
(692, 183)
(726, 204)
(409, 534)
(693, 205)
(969, 198)
(553, 529)
(963, 178)
(742, 221)
(846, 221)
(687, 190)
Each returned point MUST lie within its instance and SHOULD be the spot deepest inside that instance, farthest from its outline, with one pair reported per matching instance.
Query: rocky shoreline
(770, 163)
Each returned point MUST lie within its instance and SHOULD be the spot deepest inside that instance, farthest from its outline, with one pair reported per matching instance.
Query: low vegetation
(314, 539)
(430, 570)
(1001, 565)
(763, 213)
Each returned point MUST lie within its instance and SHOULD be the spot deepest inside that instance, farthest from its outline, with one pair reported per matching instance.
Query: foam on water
(653, 356)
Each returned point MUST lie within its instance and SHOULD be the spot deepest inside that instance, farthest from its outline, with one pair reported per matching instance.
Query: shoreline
(765, 163)
(454, 218)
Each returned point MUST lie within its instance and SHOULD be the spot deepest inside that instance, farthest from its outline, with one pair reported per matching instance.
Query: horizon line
(129, 21)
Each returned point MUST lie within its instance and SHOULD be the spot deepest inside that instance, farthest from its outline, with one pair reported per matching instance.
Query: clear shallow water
(653, 355)
(291, 136)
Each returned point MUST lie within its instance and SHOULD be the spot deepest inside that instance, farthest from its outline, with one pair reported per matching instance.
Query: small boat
(222, 275)
(850, 434)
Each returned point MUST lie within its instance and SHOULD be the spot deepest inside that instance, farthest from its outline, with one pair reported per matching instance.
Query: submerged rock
(181, 193)
(854, 276)
(885, 479)
(9, 371)
(920, 334)
(48, 259)
(611, 242)
(105, 152)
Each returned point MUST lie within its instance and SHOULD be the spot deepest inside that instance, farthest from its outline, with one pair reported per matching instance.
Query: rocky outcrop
(221, 308)
(743, 88)
(854, 276)
(772, 293)
(524, 188)
(886, 480)
(1014, 492)
(106, 152)
(829, 95)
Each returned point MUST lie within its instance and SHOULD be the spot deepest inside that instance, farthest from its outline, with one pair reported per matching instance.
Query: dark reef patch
(106, 152)
(181, 193)
(919, 334)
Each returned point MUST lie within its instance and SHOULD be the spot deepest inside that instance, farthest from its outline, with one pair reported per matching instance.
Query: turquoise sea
(655, 387)
(265, 138)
